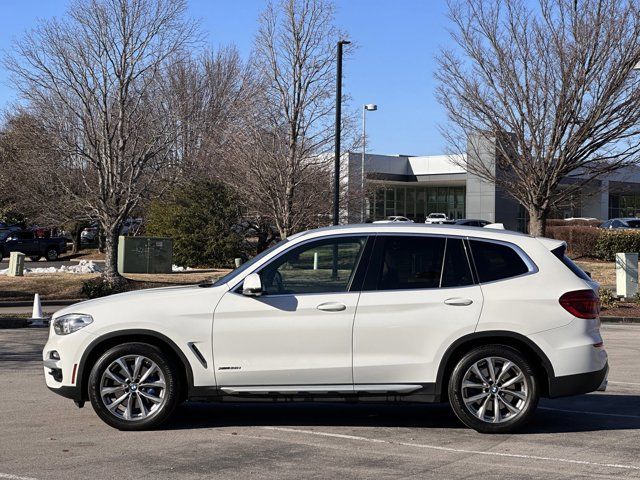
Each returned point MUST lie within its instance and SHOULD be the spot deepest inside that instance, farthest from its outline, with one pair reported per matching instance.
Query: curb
(19, 323)
(635, 320)
(44, 303)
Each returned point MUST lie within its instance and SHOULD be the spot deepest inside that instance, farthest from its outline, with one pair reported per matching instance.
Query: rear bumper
(577, 384)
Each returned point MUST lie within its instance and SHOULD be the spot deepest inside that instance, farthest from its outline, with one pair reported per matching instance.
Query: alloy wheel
(133, 388)
(494, 390)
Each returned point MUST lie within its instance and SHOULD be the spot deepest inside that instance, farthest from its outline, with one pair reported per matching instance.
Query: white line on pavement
(15, 477)
(454, 450)
(619, 415)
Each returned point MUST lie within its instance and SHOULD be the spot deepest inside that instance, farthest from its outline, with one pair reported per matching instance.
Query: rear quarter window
(496, 261)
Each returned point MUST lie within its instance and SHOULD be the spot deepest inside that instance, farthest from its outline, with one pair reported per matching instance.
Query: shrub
(97, 287)
(581, 240)
(607, 298)
(611, 242)
(200, 218)
(557, 222)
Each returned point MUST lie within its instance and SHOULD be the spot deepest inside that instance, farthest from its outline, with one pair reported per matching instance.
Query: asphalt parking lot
(44, 436)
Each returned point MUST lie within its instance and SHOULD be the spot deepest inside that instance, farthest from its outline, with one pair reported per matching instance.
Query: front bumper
(61, 370)
(578, 384)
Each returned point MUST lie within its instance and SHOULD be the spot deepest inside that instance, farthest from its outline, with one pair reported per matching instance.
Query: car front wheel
(493, 389)
(134, 386)
(52, 254)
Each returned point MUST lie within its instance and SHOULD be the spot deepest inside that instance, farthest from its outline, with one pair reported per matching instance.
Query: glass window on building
(416, 202)
(390, 201)
(624, 205)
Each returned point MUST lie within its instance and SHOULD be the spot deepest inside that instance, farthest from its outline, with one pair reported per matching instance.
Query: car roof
(424, 228)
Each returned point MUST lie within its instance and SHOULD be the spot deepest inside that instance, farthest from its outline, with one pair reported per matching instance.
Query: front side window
(323, 266)
(495, 261)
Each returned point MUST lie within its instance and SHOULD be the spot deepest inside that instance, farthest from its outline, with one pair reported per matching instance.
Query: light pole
(369, 107)
(336, 168)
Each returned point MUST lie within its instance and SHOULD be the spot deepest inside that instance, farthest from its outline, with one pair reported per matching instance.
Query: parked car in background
(131, 226)
(622, 223)
(395, 218)
(434, 218)
(35, 248)
(488, 320)
(470, 222)
(90, 234)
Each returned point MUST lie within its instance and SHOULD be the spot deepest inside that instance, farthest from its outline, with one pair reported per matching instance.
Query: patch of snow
(176, 268)
(83, 266)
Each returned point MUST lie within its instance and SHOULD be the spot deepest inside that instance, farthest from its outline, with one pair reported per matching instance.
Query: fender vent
(198, 354)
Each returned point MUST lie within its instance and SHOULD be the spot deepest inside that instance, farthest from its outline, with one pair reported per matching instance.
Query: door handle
(332, 307)
(458, 302)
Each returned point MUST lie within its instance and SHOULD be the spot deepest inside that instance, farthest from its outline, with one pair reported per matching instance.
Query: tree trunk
(76, 239)
(110, 273)
(537, 221)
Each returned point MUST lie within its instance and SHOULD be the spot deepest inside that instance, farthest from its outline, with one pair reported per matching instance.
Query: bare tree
(553, 85)
(97, 84)
(29, 165)
(279, 162)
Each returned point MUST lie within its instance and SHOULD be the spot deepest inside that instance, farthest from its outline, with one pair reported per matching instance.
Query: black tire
(170, 396)
(508, 422)
(35, 258)
(52, 254)
(1, 255)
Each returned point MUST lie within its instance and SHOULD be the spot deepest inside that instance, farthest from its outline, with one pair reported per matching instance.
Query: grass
(56, 286)
(602, 272)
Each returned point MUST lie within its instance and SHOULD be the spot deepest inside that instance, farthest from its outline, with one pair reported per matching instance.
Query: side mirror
(252, 285)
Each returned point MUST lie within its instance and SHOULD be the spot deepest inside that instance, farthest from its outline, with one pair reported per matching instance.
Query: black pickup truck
(27, 242)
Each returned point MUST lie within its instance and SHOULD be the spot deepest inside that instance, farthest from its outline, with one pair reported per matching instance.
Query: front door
(299, 331)
(418, 297)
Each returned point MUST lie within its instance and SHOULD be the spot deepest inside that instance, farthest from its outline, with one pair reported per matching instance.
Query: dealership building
(414, 186)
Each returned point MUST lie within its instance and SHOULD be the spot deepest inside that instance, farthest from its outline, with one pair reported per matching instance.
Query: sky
(392, 66)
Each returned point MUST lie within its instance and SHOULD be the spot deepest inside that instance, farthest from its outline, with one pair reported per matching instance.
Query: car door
(20, 242)
(299, 331)
(419, 295)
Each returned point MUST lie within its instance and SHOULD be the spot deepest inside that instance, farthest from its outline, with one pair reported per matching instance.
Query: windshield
(4, 234)
(229, 276)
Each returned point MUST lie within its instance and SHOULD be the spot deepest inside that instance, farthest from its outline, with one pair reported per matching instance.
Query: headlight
(70, 323)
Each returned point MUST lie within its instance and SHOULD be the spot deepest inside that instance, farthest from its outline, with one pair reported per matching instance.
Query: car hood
(149, 297)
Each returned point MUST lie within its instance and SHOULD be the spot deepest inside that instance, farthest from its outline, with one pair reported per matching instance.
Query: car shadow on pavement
(595, 412)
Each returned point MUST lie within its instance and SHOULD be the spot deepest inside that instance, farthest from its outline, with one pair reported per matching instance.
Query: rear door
(419, 295)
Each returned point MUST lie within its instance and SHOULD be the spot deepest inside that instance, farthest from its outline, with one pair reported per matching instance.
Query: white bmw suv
(487, 320)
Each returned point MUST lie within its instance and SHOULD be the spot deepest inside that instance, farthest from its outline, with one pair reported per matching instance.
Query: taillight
(581, 303)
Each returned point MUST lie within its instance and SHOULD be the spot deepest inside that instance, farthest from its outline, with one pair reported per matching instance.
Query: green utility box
(16, 264)
(144, 254)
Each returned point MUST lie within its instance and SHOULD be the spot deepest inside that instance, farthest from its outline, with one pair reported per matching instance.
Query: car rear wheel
(134, 386)
(493, 389)
(52, 254)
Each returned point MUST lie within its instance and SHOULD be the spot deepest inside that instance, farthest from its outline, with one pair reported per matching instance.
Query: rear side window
(411, 262)
(456, 271)
(495, 261)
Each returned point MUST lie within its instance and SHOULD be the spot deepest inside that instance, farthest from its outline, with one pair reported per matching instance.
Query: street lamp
(336, 173)
(369, 107)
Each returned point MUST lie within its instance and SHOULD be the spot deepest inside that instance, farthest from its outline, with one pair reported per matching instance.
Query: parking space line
(454, 450)
(15, 477)
(583, 412)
